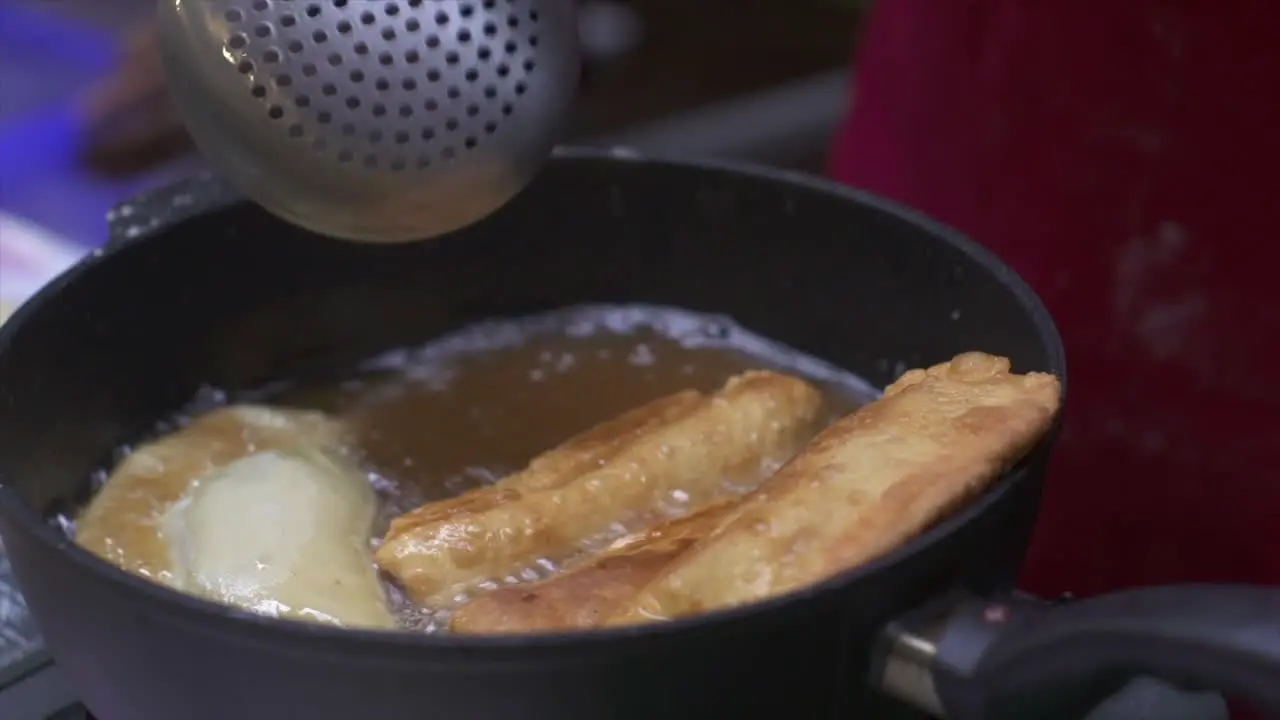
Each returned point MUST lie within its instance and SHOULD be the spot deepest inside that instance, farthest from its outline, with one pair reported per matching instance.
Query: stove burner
(30, 687)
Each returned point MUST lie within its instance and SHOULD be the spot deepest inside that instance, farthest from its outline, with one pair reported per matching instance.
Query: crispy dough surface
(559, 466)
(122, 524)
(693, 459)
(586, 595)
(863, 487)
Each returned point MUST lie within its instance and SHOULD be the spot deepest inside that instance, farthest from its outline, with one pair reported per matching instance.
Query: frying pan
(199, 288)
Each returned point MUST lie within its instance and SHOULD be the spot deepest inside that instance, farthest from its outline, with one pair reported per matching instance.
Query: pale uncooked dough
(122, 522)
(284, 534)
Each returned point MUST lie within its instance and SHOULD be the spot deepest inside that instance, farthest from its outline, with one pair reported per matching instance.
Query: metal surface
(910, 648)
(30, 687)
(379, 121)
(908, 673)
(20, 640)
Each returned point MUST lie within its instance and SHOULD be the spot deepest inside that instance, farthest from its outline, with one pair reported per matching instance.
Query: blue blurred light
(30, 31)
(37, 142)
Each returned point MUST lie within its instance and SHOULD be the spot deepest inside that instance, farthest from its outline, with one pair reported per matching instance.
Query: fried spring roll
(863, 487)
(123, 522)
(554, 468)
(722, 447)
(586, 595)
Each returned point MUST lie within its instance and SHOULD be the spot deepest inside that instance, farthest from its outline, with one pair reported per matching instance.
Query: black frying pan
(201, 287)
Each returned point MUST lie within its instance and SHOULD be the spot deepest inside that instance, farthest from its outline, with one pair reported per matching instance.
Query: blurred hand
(138, 78)
(131, 125)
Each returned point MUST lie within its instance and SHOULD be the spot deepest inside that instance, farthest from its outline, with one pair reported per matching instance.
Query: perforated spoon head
(373, 120)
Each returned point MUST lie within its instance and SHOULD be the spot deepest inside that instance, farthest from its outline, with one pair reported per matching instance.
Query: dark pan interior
(234, 298)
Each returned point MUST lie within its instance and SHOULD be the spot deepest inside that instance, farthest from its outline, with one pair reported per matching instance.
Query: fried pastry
(282, 534)
(553, 469)
(587, 594)
(722, 446)
(122, 524)
(863, 487)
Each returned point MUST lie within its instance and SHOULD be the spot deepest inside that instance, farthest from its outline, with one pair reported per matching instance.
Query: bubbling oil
(467, 409)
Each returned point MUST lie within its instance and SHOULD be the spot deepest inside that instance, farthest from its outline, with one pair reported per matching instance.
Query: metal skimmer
(373, 120)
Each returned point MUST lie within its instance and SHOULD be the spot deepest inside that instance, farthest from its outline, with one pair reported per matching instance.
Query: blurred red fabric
(1123, 157)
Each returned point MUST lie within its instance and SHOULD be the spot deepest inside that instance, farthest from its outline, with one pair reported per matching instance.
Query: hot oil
(469, 408)
(474, 406)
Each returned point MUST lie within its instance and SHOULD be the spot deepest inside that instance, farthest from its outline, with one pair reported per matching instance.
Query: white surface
(29, 257)
(283, 535)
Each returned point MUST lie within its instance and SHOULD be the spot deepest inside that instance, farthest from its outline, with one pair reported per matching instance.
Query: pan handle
(1016, 656)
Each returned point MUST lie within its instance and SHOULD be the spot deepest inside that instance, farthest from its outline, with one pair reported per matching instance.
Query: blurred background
(729, 78)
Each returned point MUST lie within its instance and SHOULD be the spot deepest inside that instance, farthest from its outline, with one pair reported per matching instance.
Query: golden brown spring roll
(586, 595)
(692, 461)
(554, 468)
(122, 524)
(864, 486)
